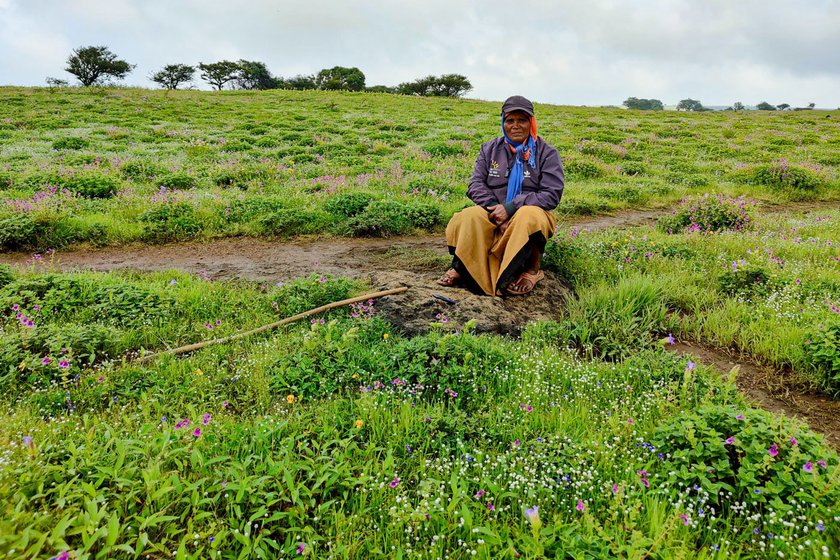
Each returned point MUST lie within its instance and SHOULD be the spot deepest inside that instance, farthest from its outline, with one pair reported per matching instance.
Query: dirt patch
(276, 260)
(772, 390)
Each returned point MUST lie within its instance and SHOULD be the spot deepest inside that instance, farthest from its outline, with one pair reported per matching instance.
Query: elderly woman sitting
(518, 179)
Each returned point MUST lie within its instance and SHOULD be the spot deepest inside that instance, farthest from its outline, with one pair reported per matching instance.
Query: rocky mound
(413, 311)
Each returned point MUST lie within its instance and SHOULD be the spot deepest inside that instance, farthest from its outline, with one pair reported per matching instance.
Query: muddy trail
(416, 262)
(267, 260)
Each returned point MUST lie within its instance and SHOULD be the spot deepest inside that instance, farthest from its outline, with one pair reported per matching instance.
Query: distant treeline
(97, 65)
(695, 105)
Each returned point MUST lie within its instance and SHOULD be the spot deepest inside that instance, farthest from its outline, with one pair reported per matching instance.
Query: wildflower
(196, 432)
(385, 336)
(670, 340)
(199, 372)
(358, 424)
(224, 404)
(684, 517)
(615, 489)
(530, 408)
(479, 494)
(580, 505)
(808, 467)
(739, 417)
(774, 450)
(63, 556)
(27, 441)
(46, 361)
(63, 364)
(821, 463)
(206, 419)
(490, 506)
(793, 441)
(516, 442)
(173, 282)
(532, 514)
(101, 379)
(690, 366)
(819, 526)
(302, 548)
(630, 421)
(290, 399)
(394, 483)
(730, 440)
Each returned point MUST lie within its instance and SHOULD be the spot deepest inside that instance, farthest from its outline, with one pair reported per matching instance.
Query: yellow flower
(355, 376)
(290, 399)
(385, 336)
(199, 372)
(358, 423)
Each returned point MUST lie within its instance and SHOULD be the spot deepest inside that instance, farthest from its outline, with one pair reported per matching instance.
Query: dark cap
(517, 103)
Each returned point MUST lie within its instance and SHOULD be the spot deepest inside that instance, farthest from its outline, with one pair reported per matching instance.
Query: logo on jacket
(494, 169)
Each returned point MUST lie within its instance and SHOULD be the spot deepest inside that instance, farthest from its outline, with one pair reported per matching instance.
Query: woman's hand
(498, 214)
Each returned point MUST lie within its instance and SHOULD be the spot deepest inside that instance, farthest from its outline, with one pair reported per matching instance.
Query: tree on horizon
(93, 65)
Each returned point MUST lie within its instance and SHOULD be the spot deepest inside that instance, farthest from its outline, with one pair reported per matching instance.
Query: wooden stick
(292, 319)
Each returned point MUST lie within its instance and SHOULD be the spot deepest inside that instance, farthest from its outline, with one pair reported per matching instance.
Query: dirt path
(772, 390)
(275, 260)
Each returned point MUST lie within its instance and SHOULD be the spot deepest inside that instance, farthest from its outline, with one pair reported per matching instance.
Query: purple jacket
(541, 187)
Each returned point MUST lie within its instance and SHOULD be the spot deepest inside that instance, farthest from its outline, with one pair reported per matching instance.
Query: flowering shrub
(737, 455)
(782, 175)
(709, 213)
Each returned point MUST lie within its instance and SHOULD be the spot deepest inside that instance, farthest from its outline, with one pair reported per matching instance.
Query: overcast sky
(590, 52)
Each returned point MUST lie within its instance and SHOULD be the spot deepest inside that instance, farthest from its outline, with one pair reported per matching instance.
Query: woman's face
(517, 126)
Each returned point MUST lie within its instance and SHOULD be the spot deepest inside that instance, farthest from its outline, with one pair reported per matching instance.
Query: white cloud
(594, 52)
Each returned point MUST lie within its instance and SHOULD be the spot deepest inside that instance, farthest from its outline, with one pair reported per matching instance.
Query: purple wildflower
(774, 450)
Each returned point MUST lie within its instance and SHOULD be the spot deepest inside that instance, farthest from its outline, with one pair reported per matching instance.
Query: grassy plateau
(340, 437)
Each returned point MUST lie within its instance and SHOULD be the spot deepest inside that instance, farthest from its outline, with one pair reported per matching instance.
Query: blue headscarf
(517, 173)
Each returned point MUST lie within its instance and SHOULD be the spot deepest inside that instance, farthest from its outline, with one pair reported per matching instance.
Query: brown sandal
(450, 278)
(530, 281)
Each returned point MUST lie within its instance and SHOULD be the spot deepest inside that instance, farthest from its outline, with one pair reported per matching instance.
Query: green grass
(108, 162)
(348, 440)
(341, 438)
(767, 290)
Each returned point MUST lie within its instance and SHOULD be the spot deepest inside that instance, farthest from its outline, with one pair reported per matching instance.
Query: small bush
(176, 181)
(139, 170)
(633, 168)
(796, 180)
(747, 453)
(92, 185)
(70, 143)
(579, 168)
(6, 275)
(293, 221)
(348, 204)
(709, 213)
(170, 222)
(6, 180)
(252, 208)
(18, 232)
(446, 149)
(385, 218)
(823, 351)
